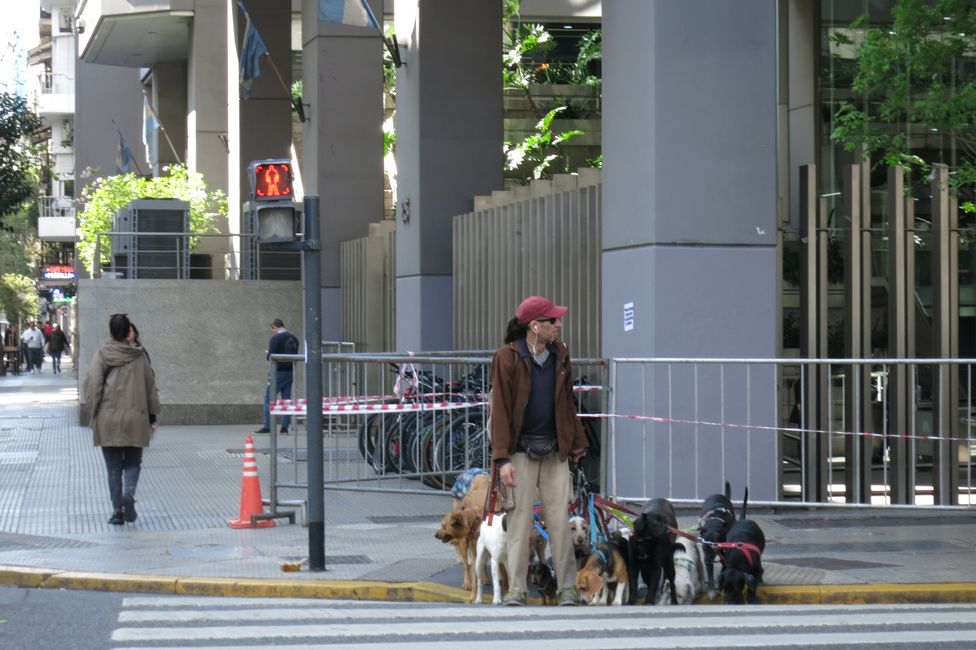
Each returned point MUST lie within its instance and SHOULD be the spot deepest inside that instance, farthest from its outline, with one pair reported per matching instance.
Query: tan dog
(476, 495)
(604, 569)
(460, 526)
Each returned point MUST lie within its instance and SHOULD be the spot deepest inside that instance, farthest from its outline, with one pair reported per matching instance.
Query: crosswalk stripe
(919, 638)
(229, 601)
(619, 623)
(252, 614)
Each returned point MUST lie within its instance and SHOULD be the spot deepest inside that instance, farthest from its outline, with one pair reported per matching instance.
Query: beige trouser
(550, 480)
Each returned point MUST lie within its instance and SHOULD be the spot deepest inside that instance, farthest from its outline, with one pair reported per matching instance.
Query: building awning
(139, 39)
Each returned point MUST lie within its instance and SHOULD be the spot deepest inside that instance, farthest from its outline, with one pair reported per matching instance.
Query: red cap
(537, 307)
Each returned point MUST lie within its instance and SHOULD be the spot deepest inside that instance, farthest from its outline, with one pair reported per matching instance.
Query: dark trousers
(283, 381)
(123, 465)
(55, 360)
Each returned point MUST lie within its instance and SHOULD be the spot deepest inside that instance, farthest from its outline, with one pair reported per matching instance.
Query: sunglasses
(546, 320)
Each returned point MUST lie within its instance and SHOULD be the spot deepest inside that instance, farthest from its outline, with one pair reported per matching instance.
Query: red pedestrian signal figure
(272, 180)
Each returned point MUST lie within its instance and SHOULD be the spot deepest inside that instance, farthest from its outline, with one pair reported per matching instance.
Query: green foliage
(107, 195)
(537, 152)
(18, 297)
(19, 252)
(525, 61)
(19, 160)
(910, 74)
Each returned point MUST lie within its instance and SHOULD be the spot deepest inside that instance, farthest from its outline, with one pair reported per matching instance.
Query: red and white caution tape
(759, 427)
(283, 407)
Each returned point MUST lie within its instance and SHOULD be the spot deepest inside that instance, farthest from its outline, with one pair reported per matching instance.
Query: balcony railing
(55, 206)
(52, 83)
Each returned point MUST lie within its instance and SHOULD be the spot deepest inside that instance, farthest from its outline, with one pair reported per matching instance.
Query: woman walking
(120, 389)
(56, 345)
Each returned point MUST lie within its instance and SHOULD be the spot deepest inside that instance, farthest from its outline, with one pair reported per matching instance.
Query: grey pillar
(857, 333)
(689, 221)
(342, 160)
(169, 92)
(206, 119)
(449, 149)
(901, 311)
(945, 339)
(813, 337)
(259, 127)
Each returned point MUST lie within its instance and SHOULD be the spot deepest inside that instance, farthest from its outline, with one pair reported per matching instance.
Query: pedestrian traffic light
(270, 180)
(274, 213)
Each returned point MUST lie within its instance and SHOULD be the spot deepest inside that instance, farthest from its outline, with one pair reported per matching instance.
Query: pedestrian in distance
(282, 342)
(33, 339)
(121, 393)
(56, 345)
(535, 432)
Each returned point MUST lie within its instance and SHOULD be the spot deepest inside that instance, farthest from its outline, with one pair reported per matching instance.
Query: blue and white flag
(251, 51)
(347, 12)
(123, 156)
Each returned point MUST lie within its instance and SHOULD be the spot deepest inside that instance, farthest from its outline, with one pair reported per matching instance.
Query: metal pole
(311, 281)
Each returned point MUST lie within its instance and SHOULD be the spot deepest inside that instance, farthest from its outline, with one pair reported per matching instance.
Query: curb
(430, 592)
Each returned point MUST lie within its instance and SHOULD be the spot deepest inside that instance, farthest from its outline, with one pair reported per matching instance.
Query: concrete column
(449, 149)
(343, 139)
(169, 91)
(689, 234)
(96, 139)
(206, 118)
(206, 113)
(259, 127)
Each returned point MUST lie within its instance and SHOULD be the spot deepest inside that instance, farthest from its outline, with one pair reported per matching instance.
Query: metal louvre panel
(541, 239)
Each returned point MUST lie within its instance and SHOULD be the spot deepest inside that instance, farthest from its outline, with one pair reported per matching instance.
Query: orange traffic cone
(250, 492)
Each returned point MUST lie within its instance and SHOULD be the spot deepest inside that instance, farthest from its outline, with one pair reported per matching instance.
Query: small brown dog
(460, 526)
(604, 568)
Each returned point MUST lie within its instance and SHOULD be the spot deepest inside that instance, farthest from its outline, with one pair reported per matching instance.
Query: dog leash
(492, 497)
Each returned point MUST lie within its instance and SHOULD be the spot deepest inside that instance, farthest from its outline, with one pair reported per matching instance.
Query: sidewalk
(54, 509)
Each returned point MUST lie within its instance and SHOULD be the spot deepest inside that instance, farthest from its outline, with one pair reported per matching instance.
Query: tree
(18, 297)
(911, 80)
(107, 195)
(18, 159)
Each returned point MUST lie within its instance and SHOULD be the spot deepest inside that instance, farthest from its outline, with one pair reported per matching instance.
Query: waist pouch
(539, 446)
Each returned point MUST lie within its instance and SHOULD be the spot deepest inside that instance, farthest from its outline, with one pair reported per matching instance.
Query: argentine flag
(347, 12)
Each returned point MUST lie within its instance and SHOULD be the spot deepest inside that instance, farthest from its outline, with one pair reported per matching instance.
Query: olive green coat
(120, 390)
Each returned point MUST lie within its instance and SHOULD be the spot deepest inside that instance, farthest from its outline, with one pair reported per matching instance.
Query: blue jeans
(55, 360)
(283, 379)
(123, 465)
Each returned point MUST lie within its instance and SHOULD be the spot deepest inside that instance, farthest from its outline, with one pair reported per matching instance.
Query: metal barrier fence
(675, 428)
(404, 423)
(679, 428)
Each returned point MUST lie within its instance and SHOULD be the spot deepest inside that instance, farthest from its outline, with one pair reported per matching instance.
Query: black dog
(743, 563)
(652, 550)
(716, 518)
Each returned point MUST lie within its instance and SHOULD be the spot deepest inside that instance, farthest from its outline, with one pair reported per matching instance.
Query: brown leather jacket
(511, 378)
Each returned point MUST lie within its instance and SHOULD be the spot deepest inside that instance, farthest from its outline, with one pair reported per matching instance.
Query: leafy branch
(107, 195)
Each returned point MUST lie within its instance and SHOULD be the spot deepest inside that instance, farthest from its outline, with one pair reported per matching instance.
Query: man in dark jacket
(282, 342)
(534, 433)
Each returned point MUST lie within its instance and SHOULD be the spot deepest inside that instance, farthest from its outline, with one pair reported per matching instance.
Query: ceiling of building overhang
(138, 40)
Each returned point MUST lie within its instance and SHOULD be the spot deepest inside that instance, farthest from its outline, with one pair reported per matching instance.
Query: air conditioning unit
(150, 252)
(263, 261)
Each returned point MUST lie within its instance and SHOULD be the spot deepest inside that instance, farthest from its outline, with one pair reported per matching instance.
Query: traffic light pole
(311, 280)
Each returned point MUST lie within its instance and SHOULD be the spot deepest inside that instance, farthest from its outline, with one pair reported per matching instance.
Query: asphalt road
(40, 618)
